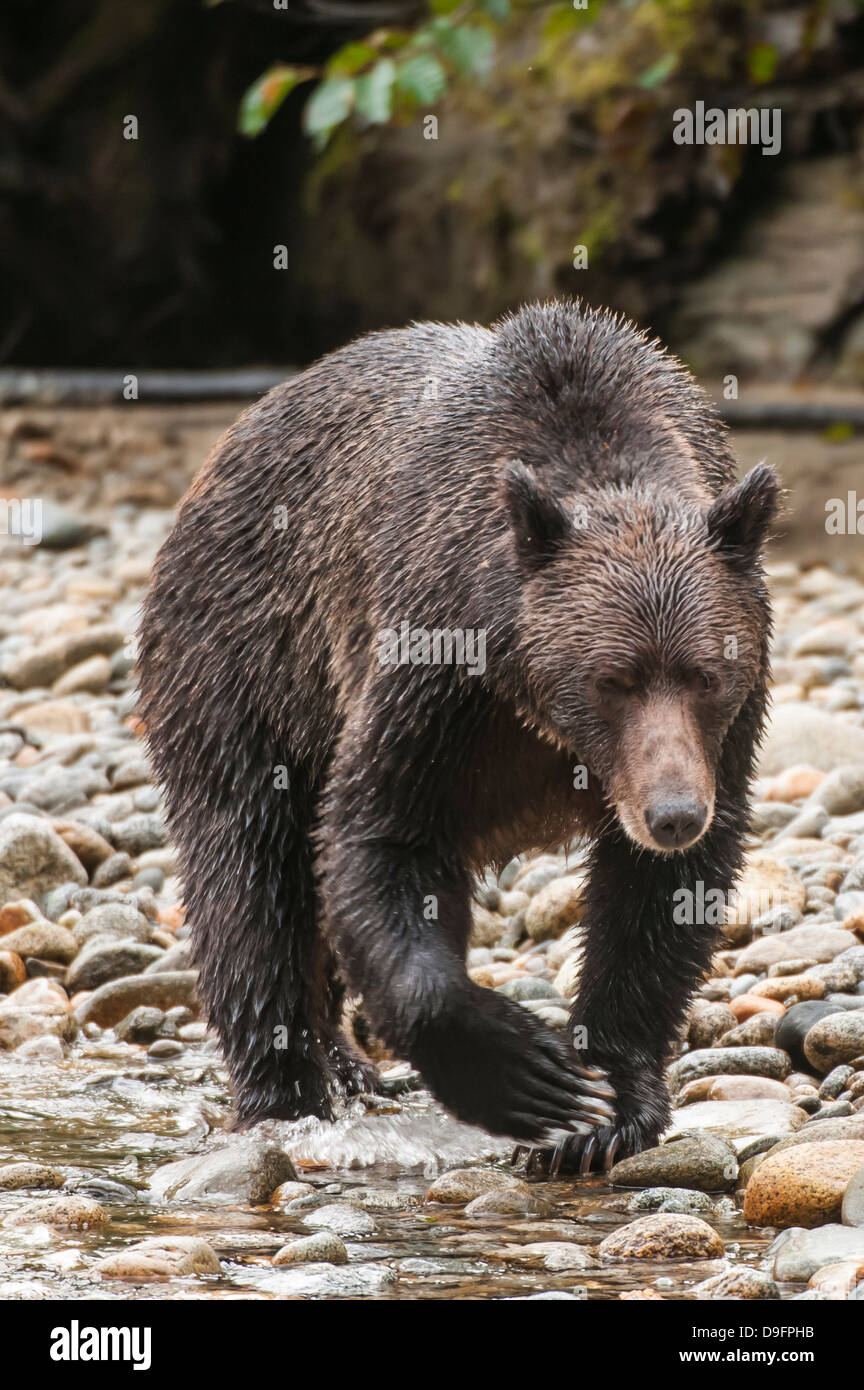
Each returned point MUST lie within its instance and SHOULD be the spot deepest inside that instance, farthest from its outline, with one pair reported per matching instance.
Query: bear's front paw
(637, 1126)
(493, 1064)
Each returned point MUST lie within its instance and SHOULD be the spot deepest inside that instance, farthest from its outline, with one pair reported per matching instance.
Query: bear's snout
(676, 822)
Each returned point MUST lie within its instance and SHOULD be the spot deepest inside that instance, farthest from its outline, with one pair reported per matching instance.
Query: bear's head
(645, 629)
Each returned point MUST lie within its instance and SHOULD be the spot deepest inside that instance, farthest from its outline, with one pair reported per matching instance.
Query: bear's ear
(739, 519)
(540, 524)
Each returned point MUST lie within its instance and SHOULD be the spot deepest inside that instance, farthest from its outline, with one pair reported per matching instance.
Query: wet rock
(325, 1247)
(462, 1185)
(819, 1130)
(64, 1213)
(799, 1253)
(12, 971)
(345, 1220)
(113, 870)
(835, 1082)
(509, 1203)
(739, 1123)
(141, 1025)
(177, 957)
(838, 1281)
(757, 1031)
(852, 1211)
(555, 908)
(817, 942)
(289, 1192)
(699, 1161)
(92, 676)
(835, 1039)
(740, 1282)
(550, 1254)
(15, 1176)
(165, 1047)
(674, 1199)
(111, 1002)
(663, 1237)
(99, 962)
(738, 1088)
(34, 859)
(41, 666)
(316, 1280)
(19, 1026)
(119, 921)
(796, 1024)
(248, 1170)
(708, 1022)
(842, 791)
(803, 1185)
(139, 833)
(45, 940)
(797, 729)
(161, 1257)
(89, 847)
(724, 1061)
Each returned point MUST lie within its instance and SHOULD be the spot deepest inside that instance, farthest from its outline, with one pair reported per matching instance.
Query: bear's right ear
(539, 523)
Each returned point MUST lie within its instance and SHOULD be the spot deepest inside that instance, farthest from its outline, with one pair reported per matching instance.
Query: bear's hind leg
(251, 904)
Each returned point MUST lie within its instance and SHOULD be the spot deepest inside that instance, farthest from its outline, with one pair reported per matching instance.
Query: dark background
(159, 252)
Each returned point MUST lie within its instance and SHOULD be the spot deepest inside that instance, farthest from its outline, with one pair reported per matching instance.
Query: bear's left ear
(739, 519)
(539, 523)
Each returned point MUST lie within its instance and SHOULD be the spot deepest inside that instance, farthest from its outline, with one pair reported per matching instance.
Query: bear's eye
(707, 682)
(615, 683)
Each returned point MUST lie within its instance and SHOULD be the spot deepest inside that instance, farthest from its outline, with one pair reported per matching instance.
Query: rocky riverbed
(117, 1176)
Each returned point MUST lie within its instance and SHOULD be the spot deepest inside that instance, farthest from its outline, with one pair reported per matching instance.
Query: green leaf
(762, 62)
(445, 6)
(373, 93)
(422, 78)
(470, 49)
(350, 59)
(327, 107)
(265, 96)
(659, 71)
(498, 9)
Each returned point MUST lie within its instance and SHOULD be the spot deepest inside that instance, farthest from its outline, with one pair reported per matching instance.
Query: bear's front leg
(647, 945)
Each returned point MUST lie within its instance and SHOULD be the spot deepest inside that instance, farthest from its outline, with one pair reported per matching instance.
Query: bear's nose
(675, 822)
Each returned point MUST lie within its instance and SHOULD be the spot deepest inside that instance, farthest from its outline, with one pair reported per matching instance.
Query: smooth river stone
(728, 1061)
(852, 1213)
(738, 1122)
(836, 1039)
(799, 1253)
(819, 942)
(698, 1161)
(663, 1237)
(802, 1186)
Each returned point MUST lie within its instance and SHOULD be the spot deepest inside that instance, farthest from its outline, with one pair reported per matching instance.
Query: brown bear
(410, 591)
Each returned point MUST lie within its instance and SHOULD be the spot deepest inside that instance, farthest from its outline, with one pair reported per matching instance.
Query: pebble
(739, 1282)
(802, 1185)
(247, 1169)
(345, 1220)
(739, 1123)
(852, 1211)
(325, 1247)
(161, 1257)
(64, 1213)
(835, 1039)
(663, 1237)
(111, 1002)
(737, 1061)
(694, 1160)
(674, 1199)
(554, 908)
(798, 1252)
(462, 1185)
(14, 1176)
